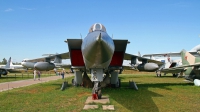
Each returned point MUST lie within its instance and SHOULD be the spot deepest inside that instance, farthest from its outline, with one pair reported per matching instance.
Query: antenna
(81, 35)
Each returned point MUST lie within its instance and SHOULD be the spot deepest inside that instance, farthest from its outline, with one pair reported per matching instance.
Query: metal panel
(76, 58)
(120, 48)
(75, 53)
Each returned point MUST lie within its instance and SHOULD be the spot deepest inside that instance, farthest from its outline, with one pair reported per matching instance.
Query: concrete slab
(86, 107)
(108, 107)
(103, 100)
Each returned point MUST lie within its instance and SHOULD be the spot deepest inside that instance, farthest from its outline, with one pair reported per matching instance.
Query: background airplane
(190, 66)
(143, 64)
(45, 63)
(151, 65)
(175, 62)
(9, 67)
(194, 51)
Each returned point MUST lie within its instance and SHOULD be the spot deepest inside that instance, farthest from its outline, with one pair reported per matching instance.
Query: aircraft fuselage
(97, 49)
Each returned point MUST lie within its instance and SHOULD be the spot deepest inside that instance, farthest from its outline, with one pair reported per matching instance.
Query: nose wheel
(96, 91)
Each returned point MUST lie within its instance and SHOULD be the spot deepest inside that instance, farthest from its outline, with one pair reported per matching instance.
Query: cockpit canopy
(97, 27)
(25, 60)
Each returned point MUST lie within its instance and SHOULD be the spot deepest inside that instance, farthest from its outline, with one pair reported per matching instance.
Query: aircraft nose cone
(22, 63)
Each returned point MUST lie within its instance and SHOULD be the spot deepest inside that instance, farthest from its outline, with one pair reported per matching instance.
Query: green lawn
(22, 76)
(155, 94)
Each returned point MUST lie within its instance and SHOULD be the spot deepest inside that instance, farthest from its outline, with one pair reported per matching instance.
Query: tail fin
(188, 58)
(139, 54)
(9, 63)
(57, 59)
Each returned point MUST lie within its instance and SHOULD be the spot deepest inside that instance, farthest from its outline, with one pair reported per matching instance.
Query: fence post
(15, 76)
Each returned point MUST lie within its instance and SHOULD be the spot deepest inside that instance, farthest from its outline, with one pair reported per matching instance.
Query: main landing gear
(97, 81)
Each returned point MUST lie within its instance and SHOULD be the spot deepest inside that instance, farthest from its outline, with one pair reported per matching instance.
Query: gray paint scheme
(97, 49)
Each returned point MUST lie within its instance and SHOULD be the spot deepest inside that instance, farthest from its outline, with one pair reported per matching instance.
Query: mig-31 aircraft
(99, 55)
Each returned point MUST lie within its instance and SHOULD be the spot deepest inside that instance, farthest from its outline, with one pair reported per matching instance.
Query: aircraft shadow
(141, 100)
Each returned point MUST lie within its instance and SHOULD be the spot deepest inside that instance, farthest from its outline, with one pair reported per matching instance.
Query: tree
(4, 61)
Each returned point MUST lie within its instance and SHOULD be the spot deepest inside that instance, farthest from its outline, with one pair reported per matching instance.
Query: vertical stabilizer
(187, 58)
(139, 54)
(57, 59)
(9, 63)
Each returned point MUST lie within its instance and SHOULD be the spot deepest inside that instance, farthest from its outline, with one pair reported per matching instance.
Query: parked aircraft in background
(45, 63)
(156, 64)
(190, 66)
(9, 67)
(194, 51)
(144, 64)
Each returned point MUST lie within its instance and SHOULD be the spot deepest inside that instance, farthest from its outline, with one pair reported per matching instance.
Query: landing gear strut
(96, 91)
(158, 73)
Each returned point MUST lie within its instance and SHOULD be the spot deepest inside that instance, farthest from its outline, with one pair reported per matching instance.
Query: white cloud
(8, 10)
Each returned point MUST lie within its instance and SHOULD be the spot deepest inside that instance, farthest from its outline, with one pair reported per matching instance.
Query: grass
(155, 94)
(22, 76)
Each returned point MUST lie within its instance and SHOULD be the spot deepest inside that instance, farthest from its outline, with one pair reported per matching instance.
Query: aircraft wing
(51, 57)
(171, 54)
(173, 70)
(191, 65)
(179, 68)
(60, 65)
(147, 60)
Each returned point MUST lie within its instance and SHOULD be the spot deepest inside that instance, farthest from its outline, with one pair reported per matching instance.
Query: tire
(119, 81)
(72, 81)
(99, 94)
(175, 75)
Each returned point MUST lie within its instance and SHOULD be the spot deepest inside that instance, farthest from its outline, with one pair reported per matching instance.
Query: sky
(31, 28)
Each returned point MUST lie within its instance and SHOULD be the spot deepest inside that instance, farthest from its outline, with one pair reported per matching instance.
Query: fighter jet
(99, 54)
(190, 67)
(9, 67)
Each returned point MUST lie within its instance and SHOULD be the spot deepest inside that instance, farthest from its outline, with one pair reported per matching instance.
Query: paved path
(22, 83)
